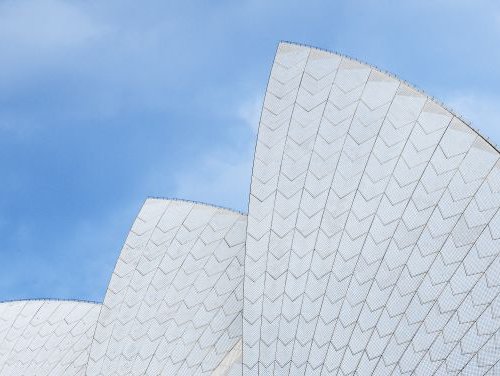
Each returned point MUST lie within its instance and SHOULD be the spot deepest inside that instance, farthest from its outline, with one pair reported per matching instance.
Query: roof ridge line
(50, 300)
(198, 203)
(438, 101)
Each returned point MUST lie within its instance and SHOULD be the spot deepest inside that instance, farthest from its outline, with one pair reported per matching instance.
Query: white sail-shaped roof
(371, 247)
(373, 228)
(174, 303)
(46, 337)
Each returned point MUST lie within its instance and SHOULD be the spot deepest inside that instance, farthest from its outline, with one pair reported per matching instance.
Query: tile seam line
(330, 188)
(298, 212)
(400, 157)
(15, 319)
(179, 227)
(73, 344)
(468, 293)
(390, 176)
(491, 367)
(195, 343)
(21, 335)
(126, 292)
(294, 229)
(188, 253)
(274, 202)
(484, 180)
(490, 336)
(446, 128)
(248, 211)
(410, 199)
(131, 226)
(461, 215)
(351, 206)
(27, 364)
(397, 226)
(220, 308)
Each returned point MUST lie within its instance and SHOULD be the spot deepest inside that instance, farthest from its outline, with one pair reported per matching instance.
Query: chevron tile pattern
(371, 247)
(173, 306)
(373, 228)
(46, 337)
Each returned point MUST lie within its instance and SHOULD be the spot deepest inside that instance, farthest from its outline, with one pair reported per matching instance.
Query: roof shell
(174, 302)
(370, 206)
(46, 337)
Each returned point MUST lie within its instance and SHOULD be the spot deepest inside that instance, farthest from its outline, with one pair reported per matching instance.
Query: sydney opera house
(371, 246)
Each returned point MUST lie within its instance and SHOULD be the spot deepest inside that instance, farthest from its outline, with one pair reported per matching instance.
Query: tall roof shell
(46, 337)
(173, 306)
(373, 228)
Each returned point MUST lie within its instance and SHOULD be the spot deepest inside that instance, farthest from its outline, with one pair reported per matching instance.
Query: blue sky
(103, 103)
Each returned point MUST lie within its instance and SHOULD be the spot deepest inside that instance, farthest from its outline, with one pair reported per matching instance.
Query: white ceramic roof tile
(371, 223)
(46, 337)
(174, 302)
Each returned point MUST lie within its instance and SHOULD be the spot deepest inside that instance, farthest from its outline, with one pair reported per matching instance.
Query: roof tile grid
(174, 302)
(367, 199)
(46, 337)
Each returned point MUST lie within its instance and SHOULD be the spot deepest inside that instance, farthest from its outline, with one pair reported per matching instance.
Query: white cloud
(222, 176)
(37, 35)
(219, 177)
(44, 25)
(249, 112)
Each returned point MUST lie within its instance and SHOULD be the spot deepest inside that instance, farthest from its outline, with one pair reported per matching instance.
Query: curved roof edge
(83, 301)
(437, 101)
(197, 203)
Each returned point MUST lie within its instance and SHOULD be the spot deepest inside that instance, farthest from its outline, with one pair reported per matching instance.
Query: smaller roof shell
(174, 302)
(46, 337)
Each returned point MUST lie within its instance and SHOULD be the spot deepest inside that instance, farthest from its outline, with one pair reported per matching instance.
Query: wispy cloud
(219, 177)
(15, 127)
(222, 176)
(44, 25)
(103, 103)
(249, 112)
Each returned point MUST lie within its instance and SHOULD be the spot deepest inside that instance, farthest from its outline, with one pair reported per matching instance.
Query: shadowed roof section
(373, 228)
(46, 337)
(174, 302)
